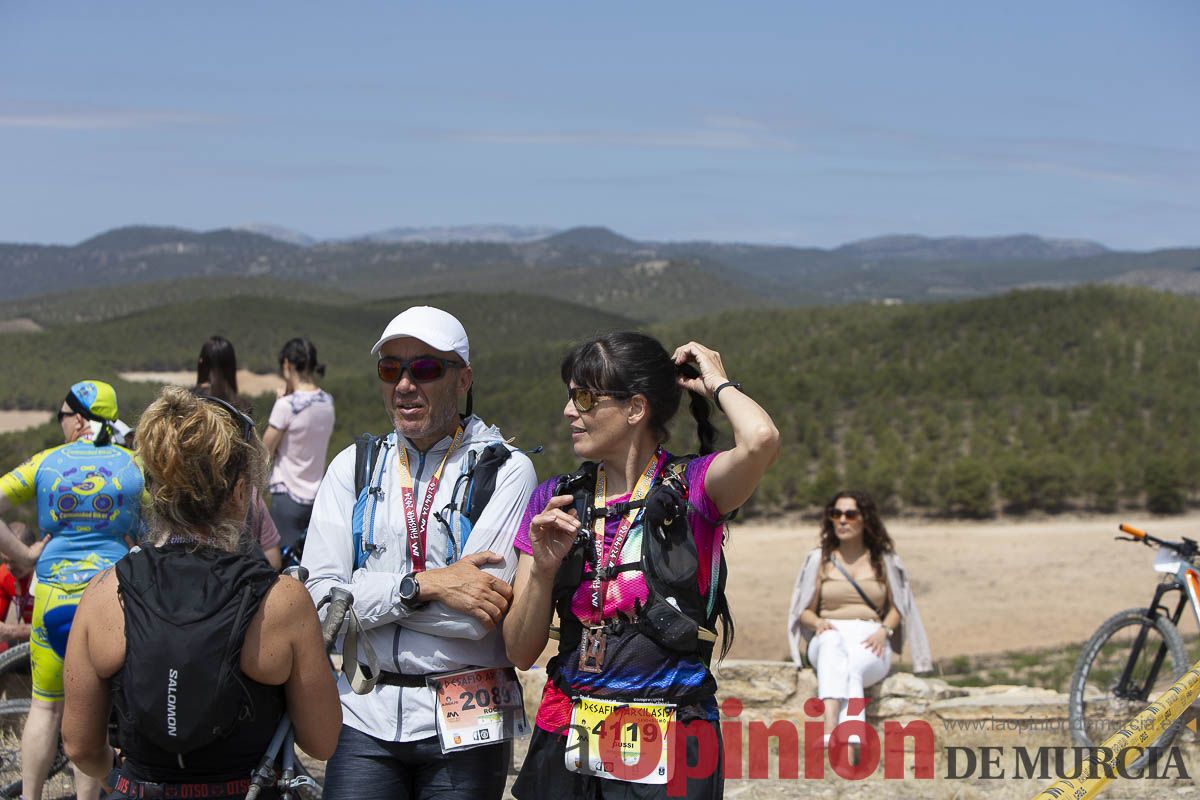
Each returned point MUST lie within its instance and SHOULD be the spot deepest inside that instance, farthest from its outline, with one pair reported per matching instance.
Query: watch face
(408, 587)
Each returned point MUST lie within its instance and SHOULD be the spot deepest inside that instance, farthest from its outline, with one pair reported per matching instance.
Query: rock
(759, 683)
(905, 684)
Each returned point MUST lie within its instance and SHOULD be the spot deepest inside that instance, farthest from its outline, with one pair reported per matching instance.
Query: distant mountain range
(509, 234)
(591, 265)
(506, 234)
(908, 247)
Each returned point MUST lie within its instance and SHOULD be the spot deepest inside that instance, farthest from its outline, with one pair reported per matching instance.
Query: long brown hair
(193, 454)
(875, 535)
(216, 368)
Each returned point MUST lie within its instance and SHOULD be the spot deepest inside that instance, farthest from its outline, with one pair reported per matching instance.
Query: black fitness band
(717, 392)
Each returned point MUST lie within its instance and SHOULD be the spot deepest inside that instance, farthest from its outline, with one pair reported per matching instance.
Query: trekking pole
(339, 601)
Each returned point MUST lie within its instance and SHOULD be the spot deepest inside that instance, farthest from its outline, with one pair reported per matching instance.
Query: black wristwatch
(410, 590)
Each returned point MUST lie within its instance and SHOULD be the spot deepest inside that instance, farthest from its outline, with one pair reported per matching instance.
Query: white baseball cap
(434, 327)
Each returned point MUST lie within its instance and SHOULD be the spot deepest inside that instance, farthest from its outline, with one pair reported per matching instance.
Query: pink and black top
(643, 671)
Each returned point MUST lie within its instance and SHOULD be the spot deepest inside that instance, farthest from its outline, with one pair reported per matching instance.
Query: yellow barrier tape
(1141, 731)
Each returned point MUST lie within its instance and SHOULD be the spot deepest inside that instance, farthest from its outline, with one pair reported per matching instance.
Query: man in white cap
(430, 571)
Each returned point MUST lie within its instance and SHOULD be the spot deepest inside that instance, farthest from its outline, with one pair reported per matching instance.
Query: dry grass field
(981, 587)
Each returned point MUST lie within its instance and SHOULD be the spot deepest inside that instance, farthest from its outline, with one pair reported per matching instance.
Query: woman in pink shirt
(297, 438)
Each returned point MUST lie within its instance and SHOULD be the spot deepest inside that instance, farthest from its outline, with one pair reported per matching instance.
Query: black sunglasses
(850, 514)
(422, 369)
(241, 420)
(585, 399)
(67, 413)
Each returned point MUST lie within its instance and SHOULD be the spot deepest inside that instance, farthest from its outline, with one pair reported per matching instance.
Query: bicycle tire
(16, 680)
(12, 717)
(1100, 665)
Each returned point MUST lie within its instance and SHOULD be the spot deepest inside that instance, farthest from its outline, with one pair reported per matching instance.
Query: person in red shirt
(15, 592)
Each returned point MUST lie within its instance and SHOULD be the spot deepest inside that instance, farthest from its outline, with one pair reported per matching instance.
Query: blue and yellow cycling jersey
(89, 499)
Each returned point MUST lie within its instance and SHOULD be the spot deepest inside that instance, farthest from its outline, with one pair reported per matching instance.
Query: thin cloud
(102, 119)
(744, 135)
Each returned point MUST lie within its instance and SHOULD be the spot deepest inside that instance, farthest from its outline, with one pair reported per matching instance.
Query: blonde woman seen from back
(199, 645)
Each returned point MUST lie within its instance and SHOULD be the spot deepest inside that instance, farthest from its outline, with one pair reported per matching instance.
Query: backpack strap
(482, 483)
(368, 490)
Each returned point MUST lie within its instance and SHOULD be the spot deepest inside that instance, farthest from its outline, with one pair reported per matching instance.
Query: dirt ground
(20, 420)
(981, 587)
(249, 383)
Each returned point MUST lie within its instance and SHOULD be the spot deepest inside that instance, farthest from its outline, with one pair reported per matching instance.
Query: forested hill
(591, 266)
(1036, 400)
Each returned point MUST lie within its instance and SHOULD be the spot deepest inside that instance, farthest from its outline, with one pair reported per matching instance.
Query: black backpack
(676, 616)
(186, 610)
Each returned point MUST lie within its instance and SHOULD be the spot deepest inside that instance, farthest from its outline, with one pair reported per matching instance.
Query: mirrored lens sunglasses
(424, 369)
(585, 399)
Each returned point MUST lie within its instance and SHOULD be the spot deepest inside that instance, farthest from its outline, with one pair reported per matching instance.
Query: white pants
(844, 664)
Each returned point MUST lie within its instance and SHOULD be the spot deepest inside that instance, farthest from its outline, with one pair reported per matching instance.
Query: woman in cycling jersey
(200, 646)
(628, 636)
(89, 496)
(297, 437)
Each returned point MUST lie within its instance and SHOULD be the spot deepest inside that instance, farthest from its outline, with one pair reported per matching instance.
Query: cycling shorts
(53, 608)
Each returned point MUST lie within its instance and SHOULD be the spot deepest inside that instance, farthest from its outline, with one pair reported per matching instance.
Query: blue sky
(790, 122)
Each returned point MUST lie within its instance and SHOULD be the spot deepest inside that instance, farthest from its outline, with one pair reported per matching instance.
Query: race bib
(620, 741)
(477, 707)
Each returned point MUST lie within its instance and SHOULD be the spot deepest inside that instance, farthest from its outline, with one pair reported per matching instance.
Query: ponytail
(302, 355)
(705, 430)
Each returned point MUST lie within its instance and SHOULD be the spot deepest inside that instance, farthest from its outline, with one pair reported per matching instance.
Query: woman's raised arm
(735, 473)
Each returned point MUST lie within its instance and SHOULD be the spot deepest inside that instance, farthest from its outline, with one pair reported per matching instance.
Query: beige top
(910, 631)
(839, 600)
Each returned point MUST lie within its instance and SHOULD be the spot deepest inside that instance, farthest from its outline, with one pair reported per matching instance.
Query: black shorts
(544, 775)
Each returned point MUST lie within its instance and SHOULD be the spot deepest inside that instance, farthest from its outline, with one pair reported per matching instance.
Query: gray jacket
(909, 630)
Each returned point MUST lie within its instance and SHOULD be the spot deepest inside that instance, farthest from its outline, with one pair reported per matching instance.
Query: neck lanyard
(600, 573)
(414, 524)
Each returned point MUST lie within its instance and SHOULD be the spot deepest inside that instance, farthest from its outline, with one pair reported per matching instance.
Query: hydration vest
(181, 690)
(676, 617)
(370, 458)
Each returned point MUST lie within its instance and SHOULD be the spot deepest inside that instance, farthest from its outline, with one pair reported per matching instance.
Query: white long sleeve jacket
(434, 638)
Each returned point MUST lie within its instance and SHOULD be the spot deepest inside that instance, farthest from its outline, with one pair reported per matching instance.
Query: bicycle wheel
(1097, 706)
(12, 723)
(16, 677)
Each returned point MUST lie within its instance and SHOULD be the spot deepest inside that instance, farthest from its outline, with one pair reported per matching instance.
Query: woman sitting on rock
(852, 606)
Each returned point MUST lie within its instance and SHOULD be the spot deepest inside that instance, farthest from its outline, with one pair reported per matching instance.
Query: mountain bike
(16, 682)
(1136, 654)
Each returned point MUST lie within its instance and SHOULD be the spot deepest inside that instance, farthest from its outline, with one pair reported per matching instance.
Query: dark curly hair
(875, 535)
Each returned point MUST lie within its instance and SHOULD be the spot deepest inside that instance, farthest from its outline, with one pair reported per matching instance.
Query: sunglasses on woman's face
(585, 399)
(65, 413)
(850, 514)
(423, 369)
